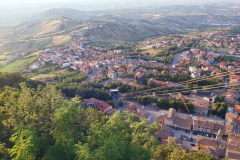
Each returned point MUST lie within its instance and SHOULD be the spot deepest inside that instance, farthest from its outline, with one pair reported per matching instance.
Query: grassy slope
(123, 32)
(19, 64)
(21, 37)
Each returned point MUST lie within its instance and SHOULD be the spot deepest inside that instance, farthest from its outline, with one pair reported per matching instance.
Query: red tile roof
(101, 105)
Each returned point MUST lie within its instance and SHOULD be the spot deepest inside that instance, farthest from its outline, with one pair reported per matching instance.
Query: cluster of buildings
(218, 145)
(222, 39)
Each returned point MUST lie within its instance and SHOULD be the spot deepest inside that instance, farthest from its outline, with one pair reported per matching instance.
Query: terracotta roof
(101, 105)
(164, 133)
(237, 108)
(112, 111)
(135, 108)
(160, 117)
(234, 136)
(232, 155)
(183, 122)
(217, 127)
(231, 115)
(139, 74)
(203, 123)
(157, 82)
(206, 141)
(216, 152)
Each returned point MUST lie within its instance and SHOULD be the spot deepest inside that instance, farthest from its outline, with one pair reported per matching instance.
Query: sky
(100, 1)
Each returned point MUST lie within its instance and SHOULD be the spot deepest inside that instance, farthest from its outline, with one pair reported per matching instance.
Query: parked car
(193, 145)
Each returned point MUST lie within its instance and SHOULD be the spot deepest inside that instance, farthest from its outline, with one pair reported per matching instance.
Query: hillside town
(200, 130)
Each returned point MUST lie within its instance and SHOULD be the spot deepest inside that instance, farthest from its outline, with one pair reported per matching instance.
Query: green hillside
(20, 64)
(124, 32)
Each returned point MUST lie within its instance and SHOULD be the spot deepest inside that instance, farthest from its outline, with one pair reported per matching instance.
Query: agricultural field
(47, 74)
(20, 63)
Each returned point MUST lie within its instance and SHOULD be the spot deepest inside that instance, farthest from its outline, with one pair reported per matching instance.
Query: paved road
(94, 73)
(153, 117)
(176, 58)
(178, 133)
(105, 82)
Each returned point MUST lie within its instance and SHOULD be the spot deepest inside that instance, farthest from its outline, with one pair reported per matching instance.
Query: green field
(19, 64)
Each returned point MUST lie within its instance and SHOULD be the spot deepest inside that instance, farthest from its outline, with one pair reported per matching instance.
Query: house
(139, 76)
(112, 111)
(155, 72)
(203, 125)
(192, 69)
(65, 65)
(175, 120)
(196, 74)
(164, 133)
(237, 109)
(232, 155)
(232, 118)
(215, 152)
(98, 104)
(112, 74)
(208, 96)
(156, 82)
(121, 71)
(200, 109)
(135, 85)
(135, 108)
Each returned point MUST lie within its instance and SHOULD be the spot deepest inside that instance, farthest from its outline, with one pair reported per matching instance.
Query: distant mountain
(58, 13)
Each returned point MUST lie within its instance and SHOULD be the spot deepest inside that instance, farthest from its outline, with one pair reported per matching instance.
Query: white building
(192, 69)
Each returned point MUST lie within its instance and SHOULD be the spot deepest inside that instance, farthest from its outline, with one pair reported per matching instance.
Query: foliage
(179, 77)
(146, 100)
(13, 79)
(87, 90)
(219, 109)
(127, 75)
(220, 98)
(170, 103)
(111, 103)
(119, 140)
(120, 103)
(70, 77)
(42, 124)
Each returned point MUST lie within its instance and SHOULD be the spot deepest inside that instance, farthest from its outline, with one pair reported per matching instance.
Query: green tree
(119, 140)
(220, 112)
(120, 103)
(144, 100)
(162, 103)
(220, 98)
(111, 103)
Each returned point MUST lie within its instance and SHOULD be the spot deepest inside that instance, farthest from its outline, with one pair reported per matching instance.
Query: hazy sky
(100, 1)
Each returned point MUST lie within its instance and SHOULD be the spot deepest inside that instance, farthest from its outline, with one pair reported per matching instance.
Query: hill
(58, 13)
(37, 34)
(115, 32)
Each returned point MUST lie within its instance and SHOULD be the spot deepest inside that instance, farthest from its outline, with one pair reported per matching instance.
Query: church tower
(219, 135)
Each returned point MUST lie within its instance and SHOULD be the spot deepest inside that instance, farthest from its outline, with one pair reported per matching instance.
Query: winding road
(176, 58)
